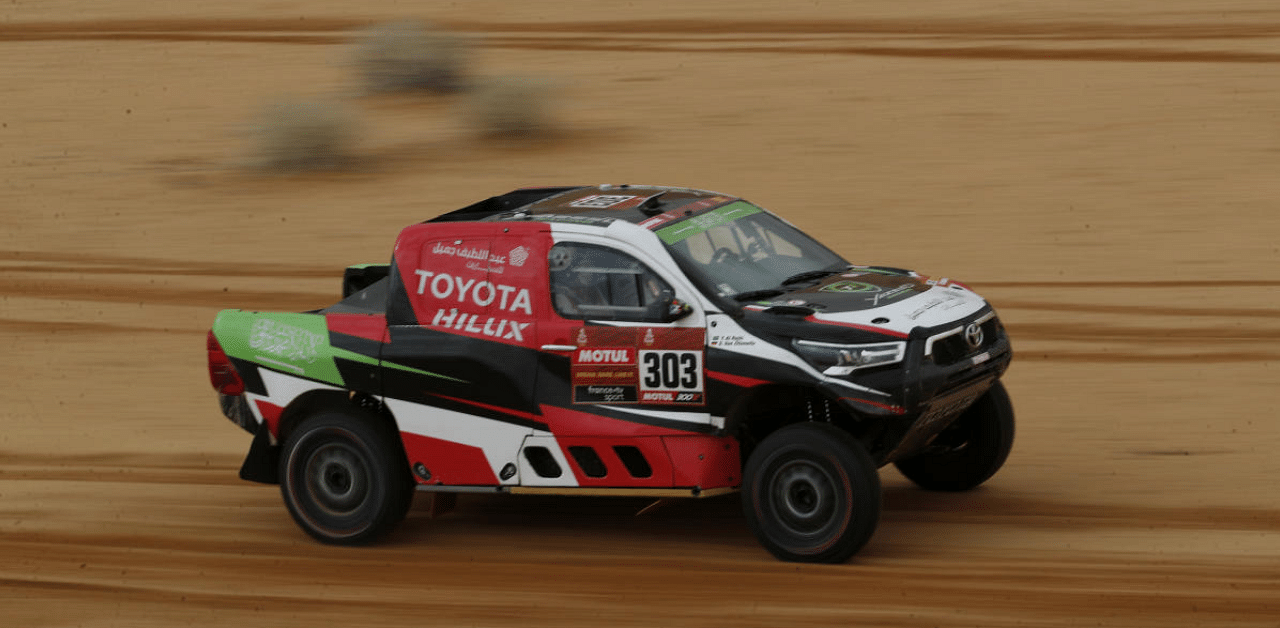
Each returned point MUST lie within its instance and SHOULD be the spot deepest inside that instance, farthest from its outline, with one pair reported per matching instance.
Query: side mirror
(673, 309)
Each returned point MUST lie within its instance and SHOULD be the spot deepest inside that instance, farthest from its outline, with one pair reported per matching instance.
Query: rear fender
(263, 461)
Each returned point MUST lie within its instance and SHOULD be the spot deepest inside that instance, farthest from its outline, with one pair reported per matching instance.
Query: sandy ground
(1104, 172)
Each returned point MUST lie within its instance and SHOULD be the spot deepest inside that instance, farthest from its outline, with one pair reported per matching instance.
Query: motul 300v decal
(649, 365)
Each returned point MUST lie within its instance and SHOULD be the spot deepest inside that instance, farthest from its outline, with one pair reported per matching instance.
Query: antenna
(652, 206)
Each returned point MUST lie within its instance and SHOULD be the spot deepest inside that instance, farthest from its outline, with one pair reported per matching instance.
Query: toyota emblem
(973, 335)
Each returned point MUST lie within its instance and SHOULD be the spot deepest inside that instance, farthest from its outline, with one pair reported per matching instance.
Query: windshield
(741, 250)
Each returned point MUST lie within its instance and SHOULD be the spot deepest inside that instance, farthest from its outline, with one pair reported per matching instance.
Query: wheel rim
(337, 478)
(804, 497)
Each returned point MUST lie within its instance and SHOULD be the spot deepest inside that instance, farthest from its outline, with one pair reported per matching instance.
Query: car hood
(876, 299)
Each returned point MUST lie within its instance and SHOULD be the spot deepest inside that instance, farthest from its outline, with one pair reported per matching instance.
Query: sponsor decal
(518, 256)
(946, 299)
(478, 259)
(285, 341)
(903, 291)
(849, 287)
(604, 394)
(491, 326)
(601, 201)
(638, 365)
(620, 355)
(481, 293)
(475, 293)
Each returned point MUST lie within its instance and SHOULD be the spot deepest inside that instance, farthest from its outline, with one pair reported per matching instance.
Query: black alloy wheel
(811, 493)
(344, 478)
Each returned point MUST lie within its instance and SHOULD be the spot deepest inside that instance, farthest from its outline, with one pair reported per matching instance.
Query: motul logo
(604, 356)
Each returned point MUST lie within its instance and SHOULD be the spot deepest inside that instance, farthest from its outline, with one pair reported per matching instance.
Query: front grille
(953, 345)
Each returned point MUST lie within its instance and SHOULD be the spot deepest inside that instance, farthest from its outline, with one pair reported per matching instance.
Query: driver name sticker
(646, 365)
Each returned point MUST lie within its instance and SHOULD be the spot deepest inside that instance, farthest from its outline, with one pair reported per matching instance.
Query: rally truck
(641, 341)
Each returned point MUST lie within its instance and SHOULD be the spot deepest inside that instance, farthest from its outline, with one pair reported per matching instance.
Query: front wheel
(811, 493)
(344, 478)
(970, 450)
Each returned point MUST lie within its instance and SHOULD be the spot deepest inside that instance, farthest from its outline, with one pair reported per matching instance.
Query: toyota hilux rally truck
(619, 340)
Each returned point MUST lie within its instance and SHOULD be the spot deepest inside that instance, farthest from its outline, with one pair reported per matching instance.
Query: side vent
(543, 463)
(633, 460)
(589, 461)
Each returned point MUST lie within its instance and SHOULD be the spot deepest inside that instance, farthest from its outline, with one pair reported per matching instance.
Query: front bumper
(941, 375)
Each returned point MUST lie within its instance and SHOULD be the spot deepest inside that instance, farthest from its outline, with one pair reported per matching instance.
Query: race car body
(627, 340)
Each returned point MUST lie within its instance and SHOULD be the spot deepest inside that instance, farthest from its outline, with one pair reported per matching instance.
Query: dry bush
(507, 107)
(305, 135)
(400, 56)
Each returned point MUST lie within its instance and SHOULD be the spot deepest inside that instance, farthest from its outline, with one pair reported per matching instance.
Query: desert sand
(1104, 172)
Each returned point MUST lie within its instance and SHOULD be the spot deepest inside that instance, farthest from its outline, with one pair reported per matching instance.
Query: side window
(596, 282)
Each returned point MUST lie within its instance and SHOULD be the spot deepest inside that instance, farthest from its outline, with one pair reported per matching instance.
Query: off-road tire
(811, 493)
(344, 478)
(970, 450)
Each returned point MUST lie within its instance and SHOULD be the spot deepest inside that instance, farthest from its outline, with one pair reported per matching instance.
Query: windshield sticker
(703, 222)
(627, 365)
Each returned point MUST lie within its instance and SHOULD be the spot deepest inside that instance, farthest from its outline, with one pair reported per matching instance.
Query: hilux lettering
(498, 328)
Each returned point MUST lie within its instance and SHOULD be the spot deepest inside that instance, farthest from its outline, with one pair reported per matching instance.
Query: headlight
(837, 359)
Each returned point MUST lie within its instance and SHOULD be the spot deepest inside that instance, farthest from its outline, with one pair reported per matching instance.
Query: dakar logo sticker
(518, 256)
(285, 341)
(648, 337)
(849, 286)
(582, 336)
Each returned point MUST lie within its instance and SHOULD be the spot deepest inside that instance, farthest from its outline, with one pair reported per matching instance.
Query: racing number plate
(648, 365)
(671, 376)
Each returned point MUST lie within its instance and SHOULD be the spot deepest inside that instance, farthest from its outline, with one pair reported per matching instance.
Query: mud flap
(263, 462)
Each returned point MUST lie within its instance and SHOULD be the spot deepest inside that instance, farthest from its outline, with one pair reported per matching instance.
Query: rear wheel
(811, 493)
(344, 478)
(970, 450)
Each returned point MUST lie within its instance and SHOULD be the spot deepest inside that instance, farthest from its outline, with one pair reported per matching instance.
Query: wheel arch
(765, 409)
(261, 464)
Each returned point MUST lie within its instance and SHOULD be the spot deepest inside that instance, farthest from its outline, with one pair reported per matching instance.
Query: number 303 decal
(671, 370)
